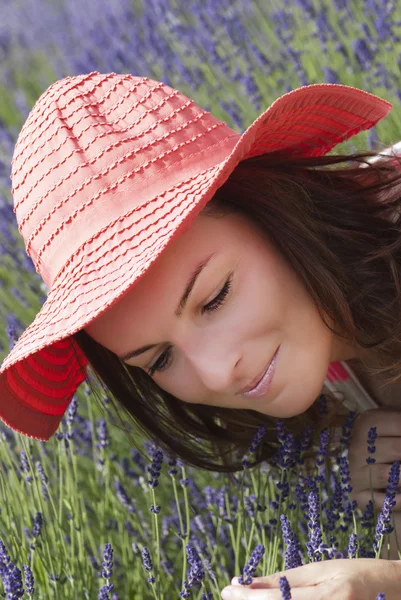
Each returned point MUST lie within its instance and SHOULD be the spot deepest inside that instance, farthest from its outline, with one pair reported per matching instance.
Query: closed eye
(164, 360)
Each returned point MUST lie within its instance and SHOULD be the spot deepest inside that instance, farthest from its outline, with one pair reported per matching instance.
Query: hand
(388, 449)
(336, 579)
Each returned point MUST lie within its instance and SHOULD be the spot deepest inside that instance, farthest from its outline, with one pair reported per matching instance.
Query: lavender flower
(321, 454)
(347, 429)
(254, 445)
(196, 573)
(372, 435)
(29, 580)
(123, 496)
(285, 588)
(107, 563)
(384, 521)
(147, 563)
(250, 568)
(315, 533)
(353, 545)
(304, 442)
(155, 469)
(12, 582)
(25, 467)
(292, 553)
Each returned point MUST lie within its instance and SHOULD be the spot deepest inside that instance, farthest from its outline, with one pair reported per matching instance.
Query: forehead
(163, 283)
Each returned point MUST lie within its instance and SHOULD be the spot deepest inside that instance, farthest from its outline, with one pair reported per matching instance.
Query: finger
(365, 496)
(386, 420)
(360, 478)
(244, 593)
(388, 450)
(304, 575)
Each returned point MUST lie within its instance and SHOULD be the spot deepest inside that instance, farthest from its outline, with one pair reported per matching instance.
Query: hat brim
(41, 374)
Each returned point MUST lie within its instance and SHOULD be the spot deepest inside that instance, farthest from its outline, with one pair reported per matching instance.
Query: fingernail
(234, 581)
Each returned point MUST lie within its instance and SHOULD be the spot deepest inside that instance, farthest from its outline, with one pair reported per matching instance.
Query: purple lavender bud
(344, 473)
(104, 441)
(372, 435)
(323, 446)
(104, 592)
(384, 525)
(367, 519)
(171, 462)
(146, 559)
(155, 469)
(41, 472)
(107, 563)
(285, 588)
(304, 442)
(254, 445)
(394, 478)
(37, 525)
(123, 497)
(347, 428)
(72, 410)
(250, 568)
(280, 427)
(12, 582)
(315, 533)
(381, 596)
(288, 451)
(29, 580)
(292, 553)
(249, 504)
(4, 559)
(257, 439)
(25, 467)
(11, 330)
(352, 545)
(196, 573)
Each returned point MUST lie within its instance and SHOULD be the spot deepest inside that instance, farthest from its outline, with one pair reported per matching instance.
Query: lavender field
(85, 515)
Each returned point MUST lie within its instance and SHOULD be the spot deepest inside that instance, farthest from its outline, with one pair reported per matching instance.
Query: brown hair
(335, 228)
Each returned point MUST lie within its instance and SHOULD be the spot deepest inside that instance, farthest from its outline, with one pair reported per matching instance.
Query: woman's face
(215, 354)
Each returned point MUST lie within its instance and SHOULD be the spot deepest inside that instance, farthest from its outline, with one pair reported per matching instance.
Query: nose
(215, 366)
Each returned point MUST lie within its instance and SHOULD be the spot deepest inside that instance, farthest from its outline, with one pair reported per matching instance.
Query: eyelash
(164, 360)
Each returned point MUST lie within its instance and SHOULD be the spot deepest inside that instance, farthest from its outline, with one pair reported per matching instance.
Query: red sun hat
(107, 170)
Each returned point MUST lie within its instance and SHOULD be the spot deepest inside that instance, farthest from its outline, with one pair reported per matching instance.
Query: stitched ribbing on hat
(93, 160)
(52, 94)
(113, 186)
(111, 122)
(122, 159)
(57, 294)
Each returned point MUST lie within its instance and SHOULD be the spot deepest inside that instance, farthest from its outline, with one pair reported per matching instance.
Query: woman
(181, 256)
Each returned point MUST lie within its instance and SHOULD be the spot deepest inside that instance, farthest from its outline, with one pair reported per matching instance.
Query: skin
(217, 354)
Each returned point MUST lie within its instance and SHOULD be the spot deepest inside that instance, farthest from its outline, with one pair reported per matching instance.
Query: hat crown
(96, 146)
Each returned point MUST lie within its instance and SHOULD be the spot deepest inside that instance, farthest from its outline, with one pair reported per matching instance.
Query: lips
(255, 381)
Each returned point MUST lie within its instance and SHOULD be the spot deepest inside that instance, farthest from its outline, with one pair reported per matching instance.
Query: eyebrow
(181, 305)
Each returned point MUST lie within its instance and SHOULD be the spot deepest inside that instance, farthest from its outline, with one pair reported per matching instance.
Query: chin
(289, 404)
